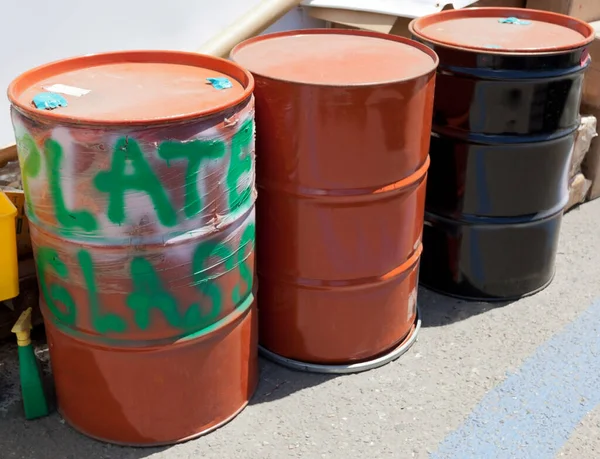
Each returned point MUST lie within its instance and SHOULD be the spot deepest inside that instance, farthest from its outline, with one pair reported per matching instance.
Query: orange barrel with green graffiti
(138, 171)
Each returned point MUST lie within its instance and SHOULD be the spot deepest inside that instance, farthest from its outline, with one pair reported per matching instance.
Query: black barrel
(505, 115)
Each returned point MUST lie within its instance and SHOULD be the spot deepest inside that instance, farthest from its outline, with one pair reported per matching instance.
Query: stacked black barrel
(506, 111)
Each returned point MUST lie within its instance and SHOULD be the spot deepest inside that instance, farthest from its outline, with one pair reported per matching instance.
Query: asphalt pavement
(519, 380)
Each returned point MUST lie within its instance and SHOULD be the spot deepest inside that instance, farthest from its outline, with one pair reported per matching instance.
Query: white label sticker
(68, 90)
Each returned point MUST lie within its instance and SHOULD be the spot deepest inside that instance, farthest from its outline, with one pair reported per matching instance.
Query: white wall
(34, 32)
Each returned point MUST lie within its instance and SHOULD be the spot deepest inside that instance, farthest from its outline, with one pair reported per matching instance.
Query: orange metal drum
(140, 197)
(343, 128)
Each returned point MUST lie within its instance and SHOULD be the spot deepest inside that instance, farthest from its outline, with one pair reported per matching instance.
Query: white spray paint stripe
(534, 411)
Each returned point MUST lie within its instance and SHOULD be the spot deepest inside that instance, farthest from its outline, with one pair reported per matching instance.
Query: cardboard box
(590, 167)
(586, 10)
(388, 22)
(591, 81)
(501, 3)
(341, 18)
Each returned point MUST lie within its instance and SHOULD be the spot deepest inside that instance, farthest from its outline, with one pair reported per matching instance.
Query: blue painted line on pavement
(535, 410)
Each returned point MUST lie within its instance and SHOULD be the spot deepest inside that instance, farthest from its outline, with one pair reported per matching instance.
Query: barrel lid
(503, 30)
(335, 57)
(132, 88)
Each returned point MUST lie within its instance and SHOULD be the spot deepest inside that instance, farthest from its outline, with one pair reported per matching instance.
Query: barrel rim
(588, 32)
(364, 33)
(355, 367)
(411, 181)
(29, 77)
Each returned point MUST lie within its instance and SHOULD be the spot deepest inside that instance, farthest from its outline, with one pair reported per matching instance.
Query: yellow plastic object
(22, 328)
(9, 268)
(35, 404)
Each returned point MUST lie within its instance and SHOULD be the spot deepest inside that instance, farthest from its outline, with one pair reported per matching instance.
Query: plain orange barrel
(343, 128)
(139, 182)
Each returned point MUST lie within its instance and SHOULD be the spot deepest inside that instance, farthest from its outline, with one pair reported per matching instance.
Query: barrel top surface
(335, 57)
(137, 87)
(513, 30)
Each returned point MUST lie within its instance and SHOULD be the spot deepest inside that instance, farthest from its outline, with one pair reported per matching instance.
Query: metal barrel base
(358, 367)
(486, 299)
(207, 405)
(154, 445)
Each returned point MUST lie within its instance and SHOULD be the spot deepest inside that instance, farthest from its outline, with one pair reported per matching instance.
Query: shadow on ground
(50, 437)
(439, 310)
(277, 382)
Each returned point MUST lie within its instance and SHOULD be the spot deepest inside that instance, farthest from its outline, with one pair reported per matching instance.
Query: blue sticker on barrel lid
(220, 83)
(514, 20)
(49, 101)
